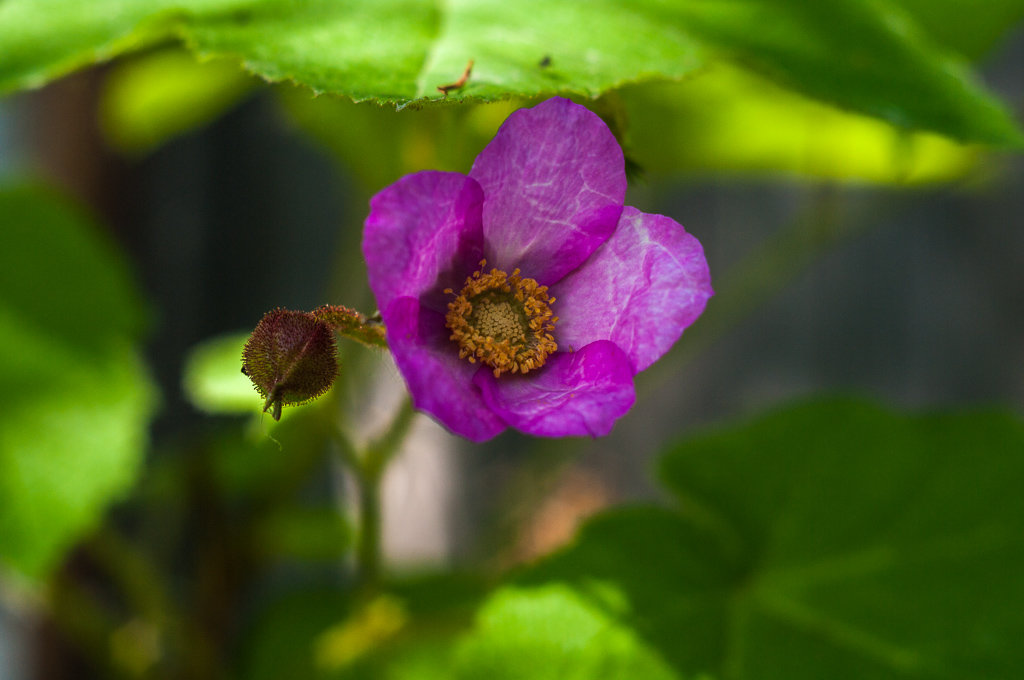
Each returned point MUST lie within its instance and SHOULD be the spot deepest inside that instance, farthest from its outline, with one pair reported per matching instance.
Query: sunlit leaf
(213, 380)
(852, 53)
(832, 540)
(554, 633)
(727, 121)
(77, 398)
(148, 100)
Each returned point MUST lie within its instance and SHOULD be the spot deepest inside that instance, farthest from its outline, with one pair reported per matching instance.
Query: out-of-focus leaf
(970, 28)
(555, 633)
(831, 540)
(77, 399)
(148, 100)
(852, 53)
(372, 624)
(213, 380)
(734, 122)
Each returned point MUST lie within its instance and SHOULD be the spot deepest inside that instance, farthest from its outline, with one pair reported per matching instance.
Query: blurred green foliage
(77, 399)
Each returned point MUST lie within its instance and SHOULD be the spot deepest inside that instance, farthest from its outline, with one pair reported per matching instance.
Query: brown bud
(291, 358)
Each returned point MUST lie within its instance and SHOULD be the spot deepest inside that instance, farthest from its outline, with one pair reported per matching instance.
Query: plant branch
(368, 468)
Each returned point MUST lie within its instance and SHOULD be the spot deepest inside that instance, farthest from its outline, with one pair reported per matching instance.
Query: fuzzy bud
(291, 358)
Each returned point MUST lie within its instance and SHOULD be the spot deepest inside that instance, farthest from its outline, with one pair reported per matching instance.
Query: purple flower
(526, 295)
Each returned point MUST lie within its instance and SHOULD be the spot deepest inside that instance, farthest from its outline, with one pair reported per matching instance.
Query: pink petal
(575, 394)
(439, 381)
(554, 181)
(640, 290)
(424, 234)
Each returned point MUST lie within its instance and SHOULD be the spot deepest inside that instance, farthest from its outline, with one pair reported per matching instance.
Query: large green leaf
(857, 54)
(832, 540)
(77, 400)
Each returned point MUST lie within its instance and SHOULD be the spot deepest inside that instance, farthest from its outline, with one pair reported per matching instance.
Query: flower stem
(350, 324)
(368, 470)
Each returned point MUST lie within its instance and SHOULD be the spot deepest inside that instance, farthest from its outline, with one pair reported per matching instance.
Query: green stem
(368, 552)
(368, 471)
(375, 462)
(348, 323)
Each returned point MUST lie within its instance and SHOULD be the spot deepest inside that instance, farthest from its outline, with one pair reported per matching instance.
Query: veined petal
(640, 290)
(424, 234)
(575, 394)
(439, 381)
(554, 181)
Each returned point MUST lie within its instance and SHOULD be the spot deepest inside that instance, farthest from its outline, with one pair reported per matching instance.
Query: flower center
(503, 321)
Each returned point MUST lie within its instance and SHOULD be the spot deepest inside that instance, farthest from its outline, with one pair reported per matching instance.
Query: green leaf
(555, 633)
(77, 398)
(857, 54)
(213, 380)
(831, 540)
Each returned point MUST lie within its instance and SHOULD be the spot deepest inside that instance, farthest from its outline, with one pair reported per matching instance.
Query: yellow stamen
(504, 321)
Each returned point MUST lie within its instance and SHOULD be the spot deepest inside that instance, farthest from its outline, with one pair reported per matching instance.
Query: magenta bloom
(526, 295)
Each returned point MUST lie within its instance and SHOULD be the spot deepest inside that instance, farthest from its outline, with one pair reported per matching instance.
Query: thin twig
(458, 84)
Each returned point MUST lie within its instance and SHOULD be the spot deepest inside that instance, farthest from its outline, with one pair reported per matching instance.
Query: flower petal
(423, 235)
(640, 290)
(575, 394)
(439, 381)
(554, 181)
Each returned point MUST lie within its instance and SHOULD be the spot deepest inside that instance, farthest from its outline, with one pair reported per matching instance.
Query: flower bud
(291, 358)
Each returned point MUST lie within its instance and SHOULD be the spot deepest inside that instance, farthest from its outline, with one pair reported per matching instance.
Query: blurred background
(846, 256)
